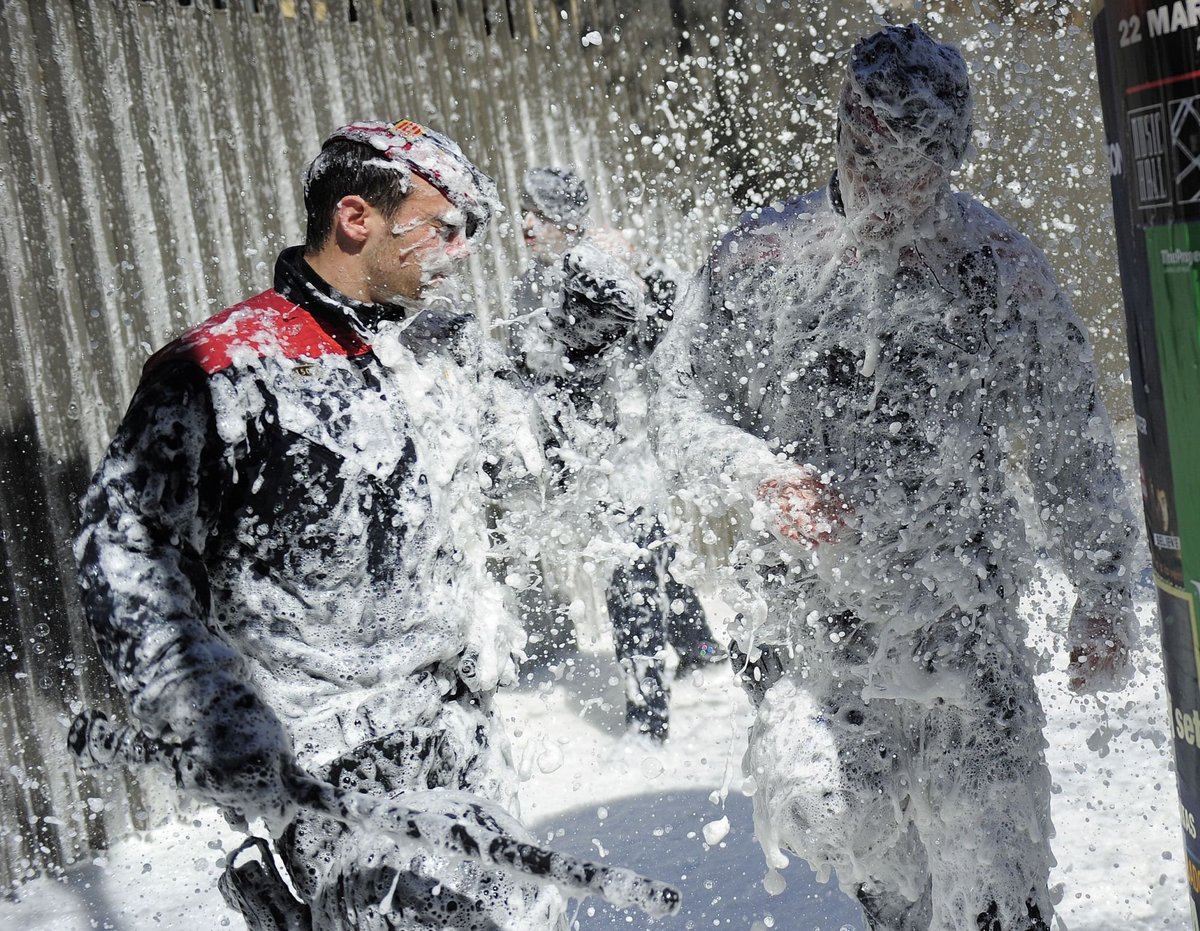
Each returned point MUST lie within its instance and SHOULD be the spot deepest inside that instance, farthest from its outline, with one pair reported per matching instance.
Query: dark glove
(225, 747)
(758, 676)
(601, 302)
(256, 889)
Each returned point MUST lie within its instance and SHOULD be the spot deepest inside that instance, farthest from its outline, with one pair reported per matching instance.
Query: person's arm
(701, 411)
(147, 516)
(702, 416)
(700, 419)
(1080, 495)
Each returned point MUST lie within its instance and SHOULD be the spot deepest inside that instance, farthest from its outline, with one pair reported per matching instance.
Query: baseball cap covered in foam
(433, 157)
(558, 194)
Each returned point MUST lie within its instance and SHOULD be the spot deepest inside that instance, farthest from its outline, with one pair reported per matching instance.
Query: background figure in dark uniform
(579, 341)
(282, 555)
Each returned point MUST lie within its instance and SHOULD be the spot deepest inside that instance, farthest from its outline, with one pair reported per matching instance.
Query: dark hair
(344, 167)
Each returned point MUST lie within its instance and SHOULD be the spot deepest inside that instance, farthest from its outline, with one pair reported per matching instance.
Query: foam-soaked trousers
(648, 608)
(913, 766)
(353, 882)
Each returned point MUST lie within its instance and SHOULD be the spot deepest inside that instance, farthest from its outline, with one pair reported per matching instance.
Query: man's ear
(351, 221)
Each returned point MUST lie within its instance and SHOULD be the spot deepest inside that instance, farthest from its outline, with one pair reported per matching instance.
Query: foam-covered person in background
(578, 340)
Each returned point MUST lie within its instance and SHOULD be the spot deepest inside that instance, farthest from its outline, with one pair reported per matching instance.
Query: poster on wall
(1148, 63)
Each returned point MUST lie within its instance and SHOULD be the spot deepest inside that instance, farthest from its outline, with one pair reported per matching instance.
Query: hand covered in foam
(233, 751)
(761, 669)
(1099, 641)
(601, 301)
(806, 509)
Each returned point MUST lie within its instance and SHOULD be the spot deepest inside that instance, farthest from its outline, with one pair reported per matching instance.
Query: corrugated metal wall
(149, 160)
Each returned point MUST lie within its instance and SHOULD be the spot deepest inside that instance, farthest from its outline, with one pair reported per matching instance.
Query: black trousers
(642, 598)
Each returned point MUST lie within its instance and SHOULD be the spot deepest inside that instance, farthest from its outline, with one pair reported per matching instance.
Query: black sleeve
(146, 521)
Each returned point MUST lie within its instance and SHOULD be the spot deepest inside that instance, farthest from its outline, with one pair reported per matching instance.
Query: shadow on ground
(662, 836)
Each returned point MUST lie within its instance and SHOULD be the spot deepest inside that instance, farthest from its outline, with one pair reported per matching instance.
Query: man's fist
(805, 508)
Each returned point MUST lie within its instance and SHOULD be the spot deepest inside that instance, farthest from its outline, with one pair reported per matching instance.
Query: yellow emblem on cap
(409, 128)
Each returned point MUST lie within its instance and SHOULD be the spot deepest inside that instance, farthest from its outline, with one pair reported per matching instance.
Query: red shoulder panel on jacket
(267, 324)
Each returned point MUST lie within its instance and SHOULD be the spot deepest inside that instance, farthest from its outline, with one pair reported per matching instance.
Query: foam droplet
(550, 759)
(715, 831)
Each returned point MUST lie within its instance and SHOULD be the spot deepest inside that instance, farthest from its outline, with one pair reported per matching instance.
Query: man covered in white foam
(855, 379)
(282, 555)
(584, 325)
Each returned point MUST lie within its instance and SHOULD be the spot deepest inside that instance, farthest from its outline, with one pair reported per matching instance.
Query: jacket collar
(296, 280)
(424, 333)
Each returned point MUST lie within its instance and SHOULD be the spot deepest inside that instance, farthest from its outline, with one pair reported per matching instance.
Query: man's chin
(409, 303)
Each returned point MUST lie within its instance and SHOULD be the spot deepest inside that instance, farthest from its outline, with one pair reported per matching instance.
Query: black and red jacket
(282, 505)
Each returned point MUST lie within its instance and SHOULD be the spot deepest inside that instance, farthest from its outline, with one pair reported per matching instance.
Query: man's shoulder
(1008, 244)
(783, 213)
(763, 229)
(456, 334)
(533, 273)
(266, 324)
(1022, 273)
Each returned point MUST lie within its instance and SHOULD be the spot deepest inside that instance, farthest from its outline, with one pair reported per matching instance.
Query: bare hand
(807, 510)
(1099, 659)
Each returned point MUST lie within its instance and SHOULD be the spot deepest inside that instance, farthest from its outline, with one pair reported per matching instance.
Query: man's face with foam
(412, 252)
(903, 122)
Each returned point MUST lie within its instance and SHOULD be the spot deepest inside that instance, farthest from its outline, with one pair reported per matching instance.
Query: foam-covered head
(911, 90)
(558, 195)
(904, 120)
(415, 149)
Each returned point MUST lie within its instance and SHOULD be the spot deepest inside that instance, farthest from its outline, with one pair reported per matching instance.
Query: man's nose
(459, 247)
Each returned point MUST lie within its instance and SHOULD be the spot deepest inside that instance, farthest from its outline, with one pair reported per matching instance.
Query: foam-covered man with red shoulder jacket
(282, 555)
